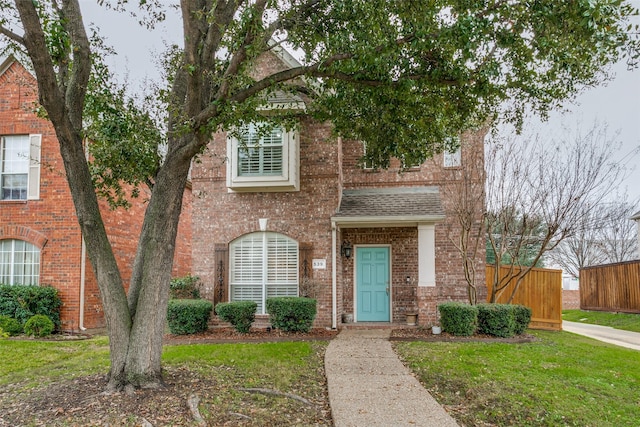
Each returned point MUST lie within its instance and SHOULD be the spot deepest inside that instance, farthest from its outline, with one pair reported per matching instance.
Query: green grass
(560, 379)
(32, 371)
(625, 321)
(267, 364)
(42, 362)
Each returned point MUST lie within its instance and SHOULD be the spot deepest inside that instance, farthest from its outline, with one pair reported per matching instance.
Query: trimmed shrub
(39, 326)
(240, 314)
(3, 334)
(522, 317)
(458, 318)
(185, 287)
(23, 301)
(188, 316)
(10, 325)
(291, 314)
(496, 319)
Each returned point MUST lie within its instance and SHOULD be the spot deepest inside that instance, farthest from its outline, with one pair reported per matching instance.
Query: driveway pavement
(369, 386)
(604, 333)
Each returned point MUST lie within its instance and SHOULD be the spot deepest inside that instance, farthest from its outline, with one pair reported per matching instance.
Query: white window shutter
(33, 188)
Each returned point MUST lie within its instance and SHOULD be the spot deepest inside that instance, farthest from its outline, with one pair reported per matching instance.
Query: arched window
(263, 265)
(19, 262)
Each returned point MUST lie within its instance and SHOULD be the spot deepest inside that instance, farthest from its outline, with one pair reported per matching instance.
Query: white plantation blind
(263, 265)
(260, 155)
(282, 266)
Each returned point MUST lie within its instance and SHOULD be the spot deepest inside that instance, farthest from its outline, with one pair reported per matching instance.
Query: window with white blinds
(263, 157)
(260, 155)
(19, 262)
(263, 265)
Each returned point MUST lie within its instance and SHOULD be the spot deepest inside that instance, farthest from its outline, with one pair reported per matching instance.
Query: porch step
(375, 325)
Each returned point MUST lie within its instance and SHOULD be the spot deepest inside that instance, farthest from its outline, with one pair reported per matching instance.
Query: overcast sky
(617, 103)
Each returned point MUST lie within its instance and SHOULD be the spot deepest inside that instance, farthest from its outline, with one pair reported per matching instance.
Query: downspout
(334, 279)
(83, 262)
(83, 268)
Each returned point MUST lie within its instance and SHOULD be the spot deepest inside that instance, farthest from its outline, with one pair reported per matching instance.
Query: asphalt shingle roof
(391, 202)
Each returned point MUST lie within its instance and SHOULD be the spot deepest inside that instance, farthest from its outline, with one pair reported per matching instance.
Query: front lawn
(625, 321)
(560, 379)
(58, 383)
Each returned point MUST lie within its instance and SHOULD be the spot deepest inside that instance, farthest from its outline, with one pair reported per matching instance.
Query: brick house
(292, 213)
(40, 239)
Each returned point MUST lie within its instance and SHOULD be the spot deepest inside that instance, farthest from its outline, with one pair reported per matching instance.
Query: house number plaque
(319, 264)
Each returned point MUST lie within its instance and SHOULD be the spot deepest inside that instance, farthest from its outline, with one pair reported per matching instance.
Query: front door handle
(387, 289)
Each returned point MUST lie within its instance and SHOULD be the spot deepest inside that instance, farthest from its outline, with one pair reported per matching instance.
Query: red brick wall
(221, 216)
(50, 222)
(326, 167)
(571, 299)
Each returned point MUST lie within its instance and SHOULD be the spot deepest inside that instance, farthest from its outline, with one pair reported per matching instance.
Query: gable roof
(393, 206)
(6, 64)
(635, 216)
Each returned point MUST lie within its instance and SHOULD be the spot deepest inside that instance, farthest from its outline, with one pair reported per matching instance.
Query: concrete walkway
(369, 386)
(604, 333)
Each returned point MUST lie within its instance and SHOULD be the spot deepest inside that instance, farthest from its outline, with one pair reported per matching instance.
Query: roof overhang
(389, 207)
(385, 221)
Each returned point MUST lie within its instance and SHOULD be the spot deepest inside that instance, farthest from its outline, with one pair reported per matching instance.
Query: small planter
(347, 318)
(412, 319)
(436, 330)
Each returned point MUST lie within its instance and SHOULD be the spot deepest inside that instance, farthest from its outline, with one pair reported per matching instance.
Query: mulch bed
(423, 334)
(220, 335)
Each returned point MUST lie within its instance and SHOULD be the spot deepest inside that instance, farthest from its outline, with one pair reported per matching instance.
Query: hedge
(10, 325)
(24, 301)
(458, 318)
(240, 314)
(496, 319)
(188, 316)
(38, 326)
(522, 317)
(291, 314)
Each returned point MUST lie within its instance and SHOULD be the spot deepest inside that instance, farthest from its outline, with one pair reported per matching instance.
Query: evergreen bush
(458, 318)
(38, 326)
(522, 317)
(291, 314)
(23, 301)
(240, 314)
(496, 319)
(188, 316)
(10, 325)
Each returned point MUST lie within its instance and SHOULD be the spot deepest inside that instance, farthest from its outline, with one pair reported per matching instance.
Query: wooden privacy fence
(541, 290)
(611, 287)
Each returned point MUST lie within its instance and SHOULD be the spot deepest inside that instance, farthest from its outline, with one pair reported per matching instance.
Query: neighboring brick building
(293, 211)
(40, 239)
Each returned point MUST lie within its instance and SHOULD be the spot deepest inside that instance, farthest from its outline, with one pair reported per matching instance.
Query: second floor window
(260, 154)
(19, 167)
(263, 157)
(452, 156)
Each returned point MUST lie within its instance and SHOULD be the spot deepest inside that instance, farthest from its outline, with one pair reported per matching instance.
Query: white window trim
(33, 172)
(288, 181)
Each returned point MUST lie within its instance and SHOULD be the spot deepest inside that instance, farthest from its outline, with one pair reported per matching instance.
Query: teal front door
(372, 284)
